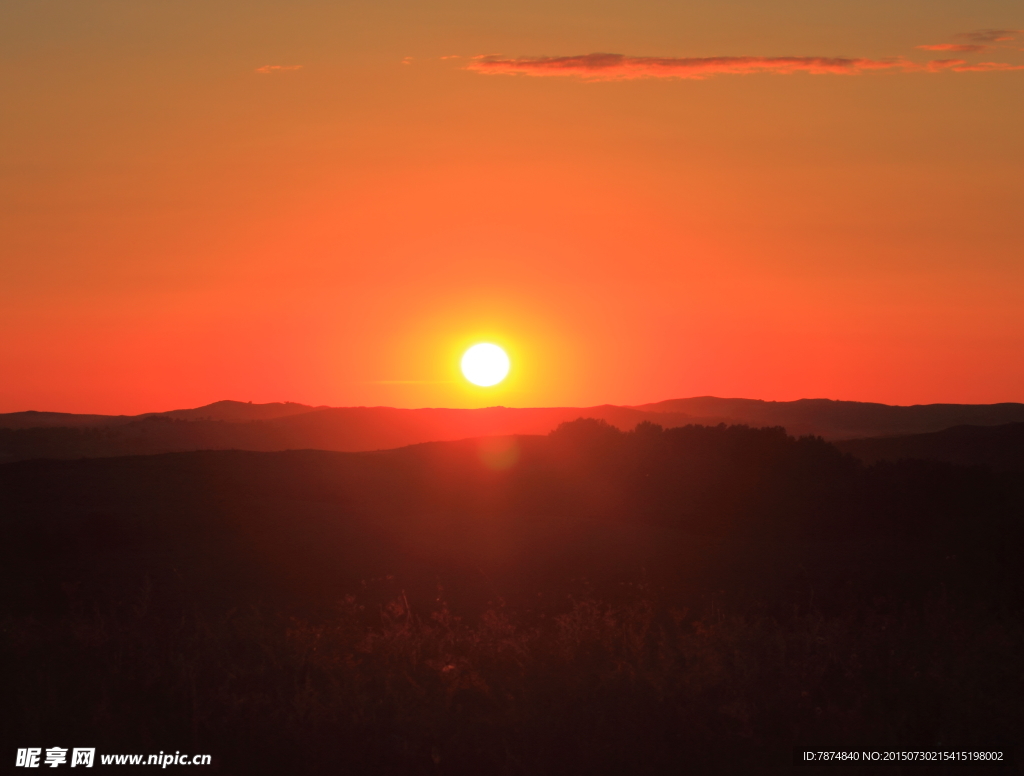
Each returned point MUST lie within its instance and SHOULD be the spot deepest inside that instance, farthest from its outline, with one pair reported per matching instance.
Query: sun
(485, 364)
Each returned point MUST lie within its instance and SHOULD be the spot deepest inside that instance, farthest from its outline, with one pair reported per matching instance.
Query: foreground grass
(586, 686)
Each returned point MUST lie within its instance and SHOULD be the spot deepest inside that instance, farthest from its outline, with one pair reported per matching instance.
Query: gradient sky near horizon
(327, 202)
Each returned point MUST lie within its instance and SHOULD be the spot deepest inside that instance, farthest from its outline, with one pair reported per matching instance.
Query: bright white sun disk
(485, 364)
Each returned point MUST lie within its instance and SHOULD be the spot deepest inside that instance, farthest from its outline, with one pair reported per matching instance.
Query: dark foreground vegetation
(696, 600)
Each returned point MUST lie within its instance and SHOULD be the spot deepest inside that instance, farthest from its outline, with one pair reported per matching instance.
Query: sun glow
(485, 364)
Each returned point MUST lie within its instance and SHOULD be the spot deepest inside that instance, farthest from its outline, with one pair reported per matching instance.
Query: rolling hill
(235, 425)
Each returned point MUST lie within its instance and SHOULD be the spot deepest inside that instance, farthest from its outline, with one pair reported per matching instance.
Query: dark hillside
(232, 425)
(272, 427)
(583, 601)
(231, 411)
(997, 447)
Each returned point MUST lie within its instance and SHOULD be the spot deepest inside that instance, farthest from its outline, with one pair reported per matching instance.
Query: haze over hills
(290, 426)
(269, 428)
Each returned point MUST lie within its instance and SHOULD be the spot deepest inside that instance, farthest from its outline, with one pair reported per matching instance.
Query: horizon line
(321, 407)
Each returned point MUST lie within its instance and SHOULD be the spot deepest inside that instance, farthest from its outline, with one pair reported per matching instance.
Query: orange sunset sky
(327, 202)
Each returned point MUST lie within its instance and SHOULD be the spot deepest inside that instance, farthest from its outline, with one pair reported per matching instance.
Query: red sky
(327, 202)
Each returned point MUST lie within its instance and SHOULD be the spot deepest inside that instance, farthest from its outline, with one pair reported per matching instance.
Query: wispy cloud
(979, 40)
(962, 48)
(961, 66)
(988, 36)
(277, 68)
(618, 67)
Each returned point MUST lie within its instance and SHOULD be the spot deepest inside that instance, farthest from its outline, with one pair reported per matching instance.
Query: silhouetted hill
(496, 503)
(233, 411)
(237, 412)
(295, 427)
(377, 428)
(999, 447)
(34, 419)
(230, 425)
(840, 419)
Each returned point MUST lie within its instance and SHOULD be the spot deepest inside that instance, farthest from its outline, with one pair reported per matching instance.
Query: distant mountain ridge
(226, 410)
(289, 426)
(833, 419)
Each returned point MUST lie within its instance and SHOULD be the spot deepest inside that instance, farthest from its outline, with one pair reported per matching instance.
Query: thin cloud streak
(988, 36)
(961, 48)
(960, 66)
(980, 40)
(277, 68)
(617, 67)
